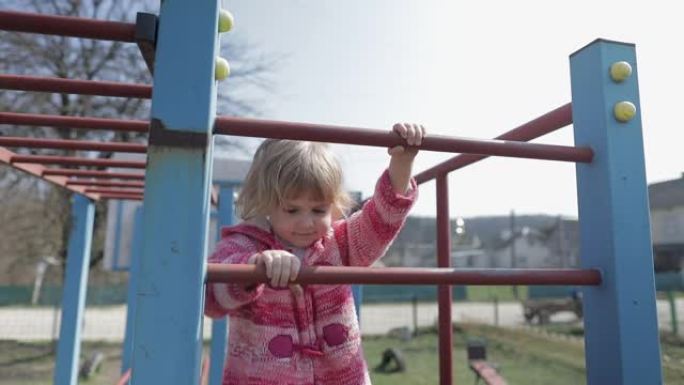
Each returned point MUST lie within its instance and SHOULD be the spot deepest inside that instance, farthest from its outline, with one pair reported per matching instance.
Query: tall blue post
(357, 292)
(167, 341)
(621, 327)
(136, 250)
(219, 327)
(74, 294)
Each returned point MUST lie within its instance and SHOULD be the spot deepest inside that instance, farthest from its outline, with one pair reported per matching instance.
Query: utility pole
(513, 256)
(561, 243)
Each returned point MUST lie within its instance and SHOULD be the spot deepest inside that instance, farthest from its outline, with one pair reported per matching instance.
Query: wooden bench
(477, 361)
(485, 371)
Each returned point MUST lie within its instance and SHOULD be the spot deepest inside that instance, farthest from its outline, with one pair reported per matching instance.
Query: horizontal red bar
(9, 141)
(410, 276)
(360, 136)
(76, 161)
(66, 26)
(38, 170)
(72, 86)
(74, 122)
(128, 197)
(549, 122)
(103, 183)
(98, 190)
(93, 173)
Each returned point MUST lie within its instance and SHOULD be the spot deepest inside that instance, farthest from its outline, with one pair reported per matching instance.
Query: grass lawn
(524, 357)
(488, 293)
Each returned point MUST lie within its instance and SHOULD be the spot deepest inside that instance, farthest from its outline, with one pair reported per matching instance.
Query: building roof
(666, 195)
(230, 170)
(225, 170)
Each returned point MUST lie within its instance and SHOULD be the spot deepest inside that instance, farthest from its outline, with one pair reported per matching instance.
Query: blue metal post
(117, 235)
(167, 341)
(357, 292)
(621, 327)
(219, 327)
(74, 294)
(136, 250)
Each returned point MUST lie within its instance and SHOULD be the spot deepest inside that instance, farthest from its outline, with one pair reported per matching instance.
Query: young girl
(292, 203)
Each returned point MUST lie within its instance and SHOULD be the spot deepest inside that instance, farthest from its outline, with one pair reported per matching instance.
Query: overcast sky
(470, 69)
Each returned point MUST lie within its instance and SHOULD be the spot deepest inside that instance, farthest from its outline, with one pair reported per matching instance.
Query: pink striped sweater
(308, 335)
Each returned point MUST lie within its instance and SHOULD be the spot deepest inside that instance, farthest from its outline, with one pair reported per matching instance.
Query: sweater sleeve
(366, 235)
(224, 298)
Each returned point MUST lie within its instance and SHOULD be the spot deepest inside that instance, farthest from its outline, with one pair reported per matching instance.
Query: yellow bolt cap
(225, 22)
(620, 71)
(222, 68)
(624, 111)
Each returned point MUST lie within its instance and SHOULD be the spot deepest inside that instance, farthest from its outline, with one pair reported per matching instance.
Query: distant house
(539, 241)
(476, 258)
(415, 244)
(667, 223)
(555, 245)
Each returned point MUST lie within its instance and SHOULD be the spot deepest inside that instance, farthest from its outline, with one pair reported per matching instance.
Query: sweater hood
(253, 231)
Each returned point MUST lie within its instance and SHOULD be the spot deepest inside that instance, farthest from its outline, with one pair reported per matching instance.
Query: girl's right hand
(281, 266)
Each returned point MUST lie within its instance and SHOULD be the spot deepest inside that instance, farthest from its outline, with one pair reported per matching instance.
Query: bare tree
(88, 59)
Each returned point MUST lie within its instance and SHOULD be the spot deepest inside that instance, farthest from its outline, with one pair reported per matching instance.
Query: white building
(554, 246)
(667, 223)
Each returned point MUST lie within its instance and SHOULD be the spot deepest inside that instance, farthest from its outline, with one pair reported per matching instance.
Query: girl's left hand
(413, 134)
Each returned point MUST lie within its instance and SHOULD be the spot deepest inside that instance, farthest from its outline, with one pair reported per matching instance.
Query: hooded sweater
(305, 334)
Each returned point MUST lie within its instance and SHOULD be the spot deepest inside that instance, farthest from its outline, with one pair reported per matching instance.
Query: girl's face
(301, 221)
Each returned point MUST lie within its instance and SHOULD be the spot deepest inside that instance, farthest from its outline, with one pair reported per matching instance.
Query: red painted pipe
(360, 136)
(549, 122)
(335, 275)
(444, 297)
(118, 196)
(66, 26)
(124, 378)
(104, 183)
(9, 141)
(77, 161)
(73, 86)
(74, 122)
(204, 375)
(38, 170)
(101, 190)
(93, 173)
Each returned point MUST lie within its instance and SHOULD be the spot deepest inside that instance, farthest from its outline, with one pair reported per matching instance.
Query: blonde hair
(284, 169)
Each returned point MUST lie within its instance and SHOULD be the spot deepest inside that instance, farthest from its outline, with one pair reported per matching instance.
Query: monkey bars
(66, 26)
(334, 275)
(73, 86)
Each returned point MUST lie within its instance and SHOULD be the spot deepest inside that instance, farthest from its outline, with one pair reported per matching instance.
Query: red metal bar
(549, 122)
(204, 375)
(129, 197)
(335, 275)
(93, 173)
(99, 190)
(360, 136)
(74, 122)
(444, 297)
(104, 183)
(72, 86)
(124, 378)
(66, 26)
(9, 141)
(6, 156)
(77, 161)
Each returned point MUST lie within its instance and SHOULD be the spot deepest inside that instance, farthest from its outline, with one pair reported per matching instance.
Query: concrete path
(108, 323)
